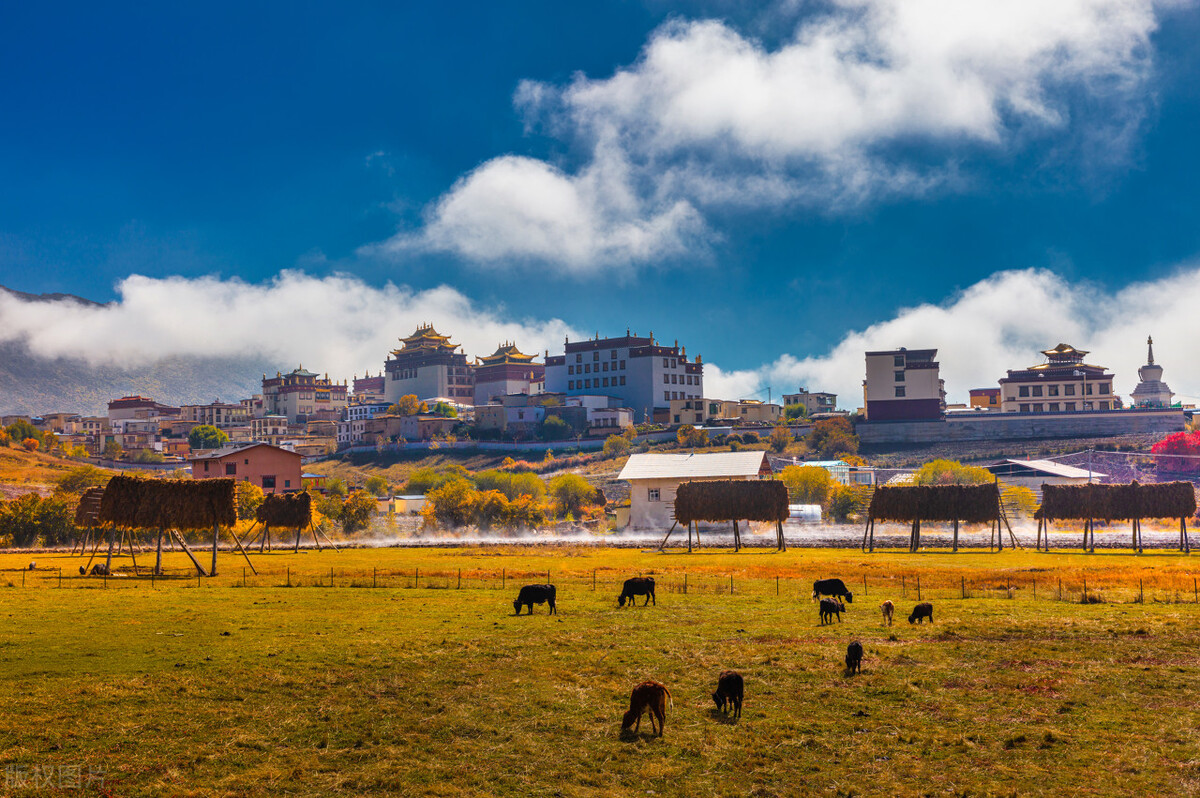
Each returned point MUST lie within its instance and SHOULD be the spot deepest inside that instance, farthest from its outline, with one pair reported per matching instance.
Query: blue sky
(775, 187)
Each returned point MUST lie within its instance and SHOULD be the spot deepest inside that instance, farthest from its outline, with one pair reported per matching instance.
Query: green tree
(1019, 501)
(148, 456)
(571, 493)
(21, 431)
(616, 446)
(847, 500)
(206, 436)
(491, 509)
(422, 480)
(794, 411)
(444, 410)
(377, 486)
(248, 497)
(781, 438)
(406, 405)
(336, 486)
(512, 485)
(28, 519)
(553, 428)
(328, 505)
(807, 484)
(357, 511)
(452, 504)
(112, 449)
(831, 438)
(951, 472)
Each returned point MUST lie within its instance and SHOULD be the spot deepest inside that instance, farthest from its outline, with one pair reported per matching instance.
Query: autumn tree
(406, 405)
(616, 446)
(780, 439)
(806, 484)
(951, 472)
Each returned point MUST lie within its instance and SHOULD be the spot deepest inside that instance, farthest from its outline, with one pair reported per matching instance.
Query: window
(676, 418)
(1024, 408)
(1105, 388)
(622, 366)
(570, 385)
(622, 380)
(230, 469)
(1052, 390)
(587, 369)
(899, 376)
(247, 461)
(899, 391)
(570, 369)
(652, 494)
(268, 482)
(1053, 407)
(1023, 390)
(666, 379)
(613, 355)
(606, 382)
(287, 483)
(595, 355)
(578, 358)
(666, 363)
(1037, 390)
(898, 361)
(1104, 405)
(605, 367)
(674, 379)
(1069, 390)
(205, 465)
(587, 383)
(1087, 405)
(1088, 389)
(666, 396)
(1069, 406)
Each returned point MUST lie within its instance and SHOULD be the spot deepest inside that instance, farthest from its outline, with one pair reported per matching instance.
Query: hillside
(30, 472)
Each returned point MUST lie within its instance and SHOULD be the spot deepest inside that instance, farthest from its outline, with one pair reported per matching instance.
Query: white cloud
(1003, 323)
(335, 324)
(869, 99)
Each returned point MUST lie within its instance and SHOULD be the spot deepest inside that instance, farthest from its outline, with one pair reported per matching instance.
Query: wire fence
(1064, 585)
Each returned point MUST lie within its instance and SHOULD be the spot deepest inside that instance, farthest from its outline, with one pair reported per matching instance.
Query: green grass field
(180, 689)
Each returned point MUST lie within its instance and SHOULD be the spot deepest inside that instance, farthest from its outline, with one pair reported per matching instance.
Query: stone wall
(1021, 426)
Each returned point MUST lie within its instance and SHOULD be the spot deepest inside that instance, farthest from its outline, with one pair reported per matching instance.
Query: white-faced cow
(637, 586)
(832, 587)
(535, 594)
(888, 609)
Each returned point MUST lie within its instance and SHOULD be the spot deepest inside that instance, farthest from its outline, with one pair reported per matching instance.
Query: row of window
(575, 385)
(596, 356)
(586, 368)
(1103, 389)
(669, 395)
(680, 379)
(1056, 407)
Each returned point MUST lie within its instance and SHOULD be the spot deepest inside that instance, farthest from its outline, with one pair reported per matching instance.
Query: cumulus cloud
(335, 324)
(867, 99)
(1001, 323)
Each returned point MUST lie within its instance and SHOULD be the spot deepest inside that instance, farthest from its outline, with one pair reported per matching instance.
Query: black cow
(99, 569)
(729, 692)
(832, 587)
(535, 594)
(637, 586)
(921, 612)
(854, 654)
(830, 608)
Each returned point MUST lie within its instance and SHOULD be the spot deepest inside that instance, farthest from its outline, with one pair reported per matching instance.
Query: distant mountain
(33, 385)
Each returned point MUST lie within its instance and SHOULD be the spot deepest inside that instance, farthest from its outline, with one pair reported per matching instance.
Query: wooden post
(776, 584)
(183, 544)
(331, 576)
(955, 535)
(112, 533)
(216, 536)
(502, 576)
(737, 539)
(60, 577)
(918, 587)
(1039, 534)
(289, 576)
(662, 545)
(964, 586)
(685, 583)
(731, 584)
(266, 535)
(903, 590)
(460, 579)
(296, 549)
(1084, 591)
(158, 554)
(864, 584)
(243, 576)
(594, 570)
(782, 540)
(1141, 594)
(237, 542)
(375, 575)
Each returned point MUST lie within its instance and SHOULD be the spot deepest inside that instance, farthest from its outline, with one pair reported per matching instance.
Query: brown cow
(730, 688)
(648, 695)
(889, 609)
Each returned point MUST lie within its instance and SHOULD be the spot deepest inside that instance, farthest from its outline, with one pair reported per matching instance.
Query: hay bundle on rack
(138, 503)
(972, 504)
(731, 500)
(286, 510)
(1117, 502)
(87, 512)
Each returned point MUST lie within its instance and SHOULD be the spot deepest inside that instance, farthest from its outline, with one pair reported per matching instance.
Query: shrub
(148, 456)
(832, 437)
(30, 444)
(616, 446)
(28, 519)
(80, 478)
(357, 511)
(377, 486)
(780, 438)
(571, 494)
(750, 437)
(1179, 443)
(553, 428)
(951, 472)
(22, 430)
(452, 503)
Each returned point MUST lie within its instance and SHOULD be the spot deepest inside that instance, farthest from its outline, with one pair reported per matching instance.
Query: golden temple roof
(506, 353)
(425, 338)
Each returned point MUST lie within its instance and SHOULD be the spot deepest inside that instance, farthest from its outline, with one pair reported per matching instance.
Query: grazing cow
(651, 696)
(888, 609)
(830, 608)
(535, 594)
(99, 569)
(33, 565)
(637, 586)
(729, 692)
(854, 657)
(921, 612)
(832, 587)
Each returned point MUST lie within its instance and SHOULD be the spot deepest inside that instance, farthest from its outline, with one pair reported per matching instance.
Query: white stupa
(1151, 391)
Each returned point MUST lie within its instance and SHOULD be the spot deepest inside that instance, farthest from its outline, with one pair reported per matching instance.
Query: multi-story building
(428, 366)
(301, 395)
(903, 384)
(368, 389)
(138, 407)
(638, 372)
(218, 414)
(813, 402)
(507, 371)
(705, 411)
(1064, 383)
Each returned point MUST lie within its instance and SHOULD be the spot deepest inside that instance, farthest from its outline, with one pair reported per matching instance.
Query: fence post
(1035, 587)
(106, 579)
(1195, 590)
(374, 575)
(60, 577)
(593, 580)
(964, 586)
(547, 576)
(685, 583)
(22, 577)
(1084, 591)
(864, 584)
(903, 589)
(460, 579)
(777, 584)
(289, 576)
(243, 577)
(416, 578)
(731, 584)
(918, 587)
(1141, 595)
(503, 573)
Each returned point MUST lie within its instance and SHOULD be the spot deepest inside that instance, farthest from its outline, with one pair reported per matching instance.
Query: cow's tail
(670, 701)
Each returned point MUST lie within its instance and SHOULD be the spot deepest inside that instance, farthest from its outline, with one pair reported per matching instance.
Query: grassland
(417, 687)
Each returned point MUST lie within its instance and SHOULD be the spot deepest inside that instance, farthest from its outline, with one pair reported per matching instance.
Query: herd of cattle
(654, 697)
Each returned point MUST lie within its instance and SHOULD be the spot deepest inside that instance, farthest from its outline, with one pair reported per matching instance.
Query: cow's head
(849, 597)
(517, 606)
(621, 600)
(717, 699)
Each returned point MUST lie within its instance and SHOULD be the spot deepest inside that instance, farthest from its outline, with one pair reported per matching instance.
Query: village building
(654, 478)
(272, 468)
(1033, 474)
(139, 407)
(698, 412)
(302, 395)
(985, 399)
(903, 385)
(368, 389)
(428, 366)
(505, 372)
(638, 372)
(1151, 391)
(814, 403)
(1063, 384)
(218, 414)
